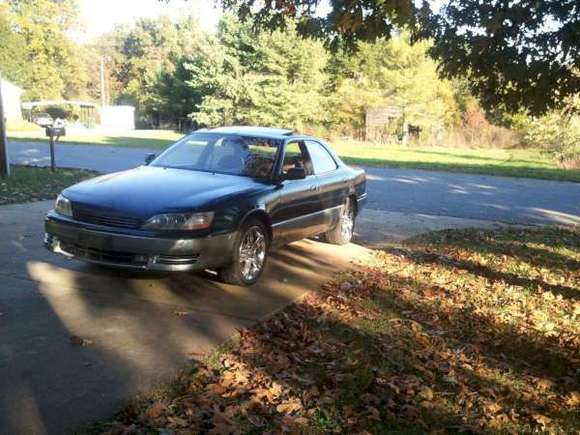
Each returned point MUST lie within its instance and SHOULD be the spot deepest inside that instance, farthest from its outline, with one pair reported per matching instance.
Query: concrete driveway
(395, 190)
(76, 341)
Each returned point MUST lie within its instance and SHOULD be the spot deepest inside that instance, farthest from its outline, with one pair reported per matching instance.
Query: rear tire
(342, 233)
(249, 257)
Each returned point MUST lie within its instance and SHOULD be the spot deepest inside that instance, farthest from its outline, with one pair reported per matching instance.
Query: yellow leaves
(573, 399)
(289, 406)
(454, 333)
(425, 393)
(544, 384)
(541, 419)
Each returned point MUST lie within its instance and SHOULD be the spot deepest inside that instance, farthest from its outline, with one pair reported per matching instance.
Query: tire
(342, 233)
(247, 267)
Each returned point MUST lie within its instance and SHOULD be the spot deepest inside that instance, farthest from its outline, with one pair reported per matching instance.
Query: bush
(558, 133)
(485, 136)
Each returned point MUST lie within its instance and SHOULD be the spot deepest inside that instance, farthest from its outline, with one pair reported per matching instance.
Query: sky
(100, 16)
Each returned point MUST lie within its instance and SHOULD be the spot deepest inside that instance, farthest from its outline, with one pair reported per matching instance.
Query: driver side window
(295, 156)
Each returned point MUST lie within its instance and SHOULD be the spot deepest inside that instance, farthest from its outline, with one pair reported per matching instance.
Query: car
(43, 120)
(217, 199)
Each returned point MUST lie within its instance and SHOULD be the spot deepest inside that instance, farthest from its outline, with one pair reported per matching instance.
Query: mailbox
(55, 131)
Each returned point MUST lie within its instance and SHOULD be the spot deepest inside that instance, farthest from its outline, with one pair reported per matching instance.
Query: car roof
(273, 133)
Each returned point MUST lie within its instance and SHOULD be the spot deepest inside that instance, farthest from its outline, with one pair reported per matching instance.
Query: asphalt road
(503, 199)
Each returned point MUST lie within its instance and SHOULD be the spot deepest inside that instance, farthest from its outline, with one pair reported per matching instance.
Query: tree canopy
(516, 54)
(54, 63)
(15, 65)
(272, 78)
(144, 64)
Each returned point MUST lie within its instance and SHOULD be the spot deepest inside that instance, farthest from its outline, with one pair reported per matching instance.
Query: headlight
(63, 206)
(180, 221)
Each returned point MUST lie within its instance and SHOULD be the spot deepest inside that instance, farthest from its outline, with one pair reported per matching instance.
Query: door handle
(312, 188)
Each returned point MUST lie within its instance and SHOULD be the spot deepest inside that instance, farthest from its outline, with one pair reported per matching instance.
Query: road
(502, 199)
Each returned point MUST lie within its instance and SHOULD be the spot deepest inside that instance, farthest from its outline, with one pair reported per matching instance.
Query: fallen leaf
(75, 340)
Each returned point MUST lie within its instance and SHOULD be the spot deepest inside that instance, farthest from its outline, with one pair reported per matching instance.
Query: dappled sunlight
(557, 216)
(23, 410)
(114, 333)
(400, 344)
(109, 326)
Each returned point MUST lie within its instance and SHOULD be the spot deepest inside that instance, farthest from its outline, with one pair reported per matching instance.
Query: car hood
(148, 190)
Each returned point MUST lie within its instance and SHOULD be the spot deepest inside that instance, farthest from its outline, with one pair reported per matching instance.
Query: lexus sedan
(217, 199)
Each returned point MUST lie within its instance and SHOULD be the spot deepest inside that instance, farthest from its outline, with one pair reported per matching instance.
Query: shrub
(558, 133)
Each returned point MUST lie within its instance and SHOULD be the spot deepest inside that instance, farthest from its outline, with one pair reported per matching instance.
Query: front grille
(94, 254)
(109, 220)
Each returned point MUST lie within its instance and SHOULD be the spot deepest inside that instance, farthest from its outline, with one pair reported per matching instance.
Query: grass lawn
(527, 163)
(27, 184)
(155, 139)
(458, 331)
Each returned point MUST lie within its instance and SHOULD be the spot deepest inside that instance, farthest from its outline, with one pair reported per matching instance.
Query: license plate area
(97, 241)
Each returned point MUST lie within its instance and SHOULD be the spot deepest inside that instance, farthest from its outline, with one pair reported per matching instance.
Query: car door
(296, 215)
(333, 183)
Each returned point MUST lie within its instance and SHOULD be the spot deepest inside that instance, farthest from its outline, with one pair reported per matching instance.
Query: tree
(14, 64)
(52, 58)
(145, 64)
(521, 53)
(515, 54)
(272, 78)
(395, 74)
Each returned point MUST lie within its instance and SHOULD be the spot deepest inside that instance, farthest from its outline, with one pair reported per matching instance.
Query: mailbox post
(56, 130)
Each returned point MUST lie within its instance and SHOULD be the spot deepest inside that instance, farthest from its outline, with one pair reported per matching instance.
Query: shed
(118, 117)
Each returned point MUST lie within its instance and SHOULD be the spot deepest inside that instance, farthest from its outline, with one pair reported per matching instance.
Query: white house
(11, 98)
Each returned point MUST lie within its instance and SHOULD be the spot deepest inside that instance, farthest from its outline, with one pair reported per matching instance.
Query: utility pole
(4, 163)
(102, 81)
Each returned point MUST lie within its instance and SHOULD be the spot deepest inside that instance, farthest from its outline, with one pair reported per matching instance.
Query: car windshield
(223, 153)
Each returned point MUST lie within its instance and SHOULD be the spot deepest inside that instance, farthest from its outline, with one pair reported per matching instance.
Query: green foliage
(516, 54)
(393, 73)
(55, 68)
(146, 68)
(270, 78)
(14, 64)
(558, 133)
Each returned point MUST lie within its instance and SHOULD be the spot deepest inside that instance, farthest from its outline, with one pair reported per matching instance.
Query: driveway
(407, 191)
(76, 341)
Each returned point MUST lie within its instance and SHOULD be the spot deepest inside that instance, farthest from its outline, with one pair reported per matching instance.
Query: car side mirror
(149, 158)
(295, 174)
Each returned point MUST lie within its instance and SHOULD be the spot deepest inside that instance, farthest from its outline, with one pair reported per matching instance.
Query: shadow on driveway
(77, 341)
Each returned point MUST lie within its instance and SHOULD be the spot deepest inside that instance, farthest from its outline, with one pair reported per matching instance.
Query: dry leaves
(467, 331)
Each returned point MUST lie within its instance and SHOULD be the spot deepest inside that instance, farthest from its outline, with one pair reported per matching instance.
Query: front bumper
(107, 246)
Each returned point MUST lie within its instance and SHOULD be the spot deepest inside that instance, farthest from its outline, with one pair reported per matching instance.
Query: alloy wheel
(252, 253)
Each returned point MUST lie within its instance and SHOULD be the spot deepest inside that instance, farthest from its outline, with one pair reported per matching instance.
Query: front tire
(342, 233)
(250, 252)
